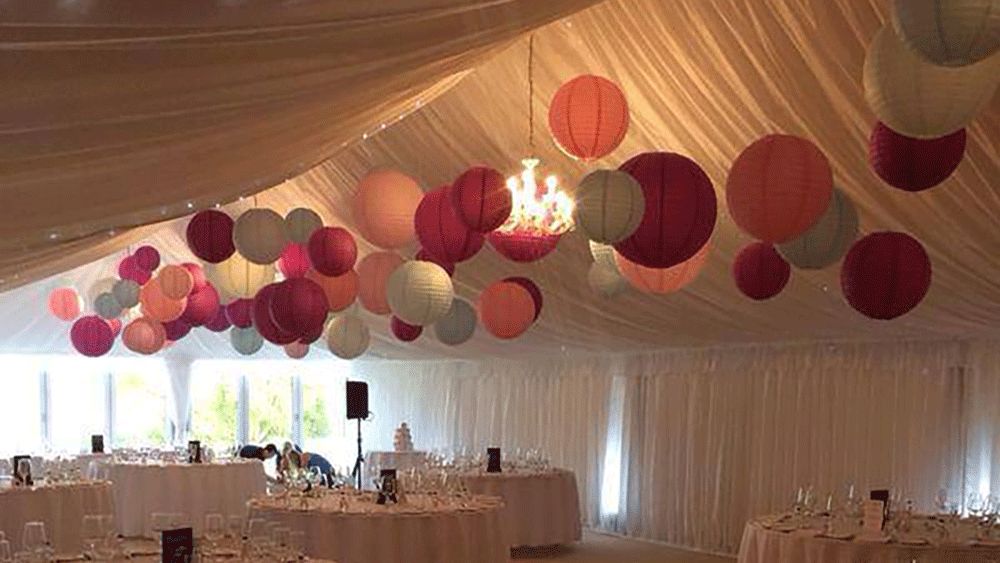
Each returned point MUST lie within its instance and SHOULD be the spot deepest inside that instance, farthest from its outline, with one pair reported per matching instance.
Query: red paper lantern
(885, 275)
(296, 350)
(144, 336)
(176, 329)
(536, 294)
(92, 336)
(313, 335)
(405, 332)
(588, 117)
(481, 199)
(340, 291)
(220, 322)
(506, 309)
(779, 187)
(210, 236)
(157, 306)
(760, 272)
(116, 326)
(425, 256)
(332, 251)
(441, 232)
(294, 261)
(298, 306)
(262, 317)
(523, 247)
(680, 210)
(373, 276)
(912, 164)
(240, 312)
(176, 282)
(147, 258)
(202, 306)
(128, 269)
(197, 275)
(65, 303)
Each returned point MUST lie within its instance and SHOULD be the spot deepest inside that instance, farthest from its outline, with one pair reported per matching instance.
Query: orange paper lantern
(65, 303)
(157, 306)
(384, 204)
(663, 280)
(144, 336)
(340, 291)
(175, 282)
(373, 277)
(588, 117)
(506, 309)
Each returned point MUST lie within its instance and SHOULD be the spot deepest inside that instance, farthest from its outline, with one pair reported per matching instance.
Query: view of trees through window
(214, 410)
(140, 408)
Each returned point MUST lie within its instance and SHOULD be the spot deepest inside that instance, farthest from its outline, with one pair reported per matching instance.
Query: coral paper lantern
(405, 331)
(885, 275)
(158, 306)
(481, 199)
(680, 210)
(298, 306)
(202, 306)
(919, 99)
(116, 327)
(373, 275)
(458, 325)
(828, 240)
(912, 164)
(609, 205)
(606, 282)
(340, 291)
(663, 280)
(506, 309)
(428, 257)
(128, 269)
(523, 247)
(176, 282)
(384, 204)
(176, 329)
(246, 341)
(237, 277)
(220, 322)
(144, 336)
(65, 304)
(92, 336)
(588, 117)
(536, 294)
(294, 261)
(301, 223)
(760, 272)
(332, 251)
(263, 321)
(419, 293)
(949, 32)
(441, 233)
(147, 258)
(240, 313)
(348, 337)
(260, 236)
(779, 187)
(296, 350)
(210, 236)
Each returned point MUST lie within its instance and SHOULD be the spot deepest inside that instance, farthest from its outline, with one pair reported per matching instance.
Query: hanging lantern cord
(531, 95)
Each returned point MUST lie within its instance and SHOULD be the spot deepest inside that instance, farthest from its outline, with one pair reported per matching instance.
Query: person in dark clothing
(257, 452)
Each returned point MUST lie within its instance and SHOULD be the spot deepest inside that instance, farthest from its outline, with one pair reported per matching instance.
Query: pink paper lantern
(506, 309)
(157, 306)
(144, 336)
(298, 306)
(176, 282)
(294, 261)
(340, 291)
(202, 306)
(176, 329)
(197, 275)
(262, 318)
(116, 326)
(384, 203)
(680, 210)
(403, 331)
(425, 256)
(65, 304)
(760, 272)
(147, 258)
(128, 269)
(588, 117)
(240, 313)
(663, 280)
(523, 247)
(333, 251)
(885, 275)
(373, 276)
(92, 336)
(296, 350)
(210, 236)
(536, 294)
(914, 165)
(220, 322)
(481, 199)
(441, 233)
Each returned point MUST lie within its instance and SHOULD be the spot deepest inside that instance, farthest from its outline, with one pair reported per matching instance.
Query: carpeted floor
(602, 548)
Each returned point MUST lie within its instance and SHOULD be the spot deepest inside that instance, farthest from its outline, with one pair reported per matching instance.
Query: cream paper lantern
(828, 240)
(246, 341)
(604, 254)
(260, 235)
(919, 99)
(609, 205)
(949, 32)
(458, 325)
(419, 292)
(103, 285)
(606, 282)
(301, 223)
(236, 277)
(348, 337)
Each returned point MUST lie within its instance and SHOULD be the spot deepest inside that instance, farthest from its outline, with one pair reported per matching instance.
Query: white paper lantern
(107, 307)
(236, 277)
(919, 99)
(828, 240)
(606, 282)
(458, 325)
(103, 285)
(348, 337)
(609, 206)
(419, 292)
(301, 223)
(260, 236)
(126, 293)
(246, 341)
(604, 254)
(949, 32)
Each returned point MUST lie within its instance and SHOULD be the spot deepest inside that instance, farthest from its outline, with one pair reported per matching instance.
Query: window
(214, 403)
(140, 410)
(270, 405)
(324, 418)
(20, 401)
(77, 402)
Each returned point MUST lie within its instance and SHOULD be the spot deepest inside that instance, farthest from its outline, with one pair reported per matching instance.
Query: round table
(60, 507)
(190, 489)
(542, 508)
(761, 545)
(415, 531)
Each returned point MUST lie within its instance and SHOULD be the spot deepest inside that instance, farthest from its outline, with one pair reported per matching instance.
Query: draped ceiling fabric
(703, 78)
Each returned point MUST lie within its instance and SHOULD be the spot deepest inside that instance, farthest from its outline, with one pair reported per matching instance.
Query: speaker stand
(361, 458)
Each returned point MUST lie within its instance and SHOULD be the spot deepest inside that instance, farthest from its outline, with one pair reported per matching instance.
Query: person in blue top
(307, 461)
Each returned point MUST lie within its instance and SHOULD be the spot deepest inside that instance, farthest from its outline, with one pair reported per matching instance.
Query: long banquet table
(400, 461)
(60, 507)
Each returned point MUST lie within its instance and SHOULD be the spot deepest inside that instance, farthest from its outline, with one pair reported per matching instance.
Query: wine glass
(215, 530)
(159, 523)
(92, 534)
(34, 539)
(5, 553)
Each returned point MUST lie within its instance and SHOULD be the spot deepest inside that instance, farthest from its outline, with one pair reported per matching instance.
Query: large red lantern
(202, 306)
(298, 306)
(760, 272)
(147, 258)
(240, 313)
(428, 257)
(262, 318)
(481, 199)
(588, 117)
(92, 336)
(294, 261)
(523, 247)
(912, 164)
(885, 275)
(441, 232)
(210, 236)
(332, 251)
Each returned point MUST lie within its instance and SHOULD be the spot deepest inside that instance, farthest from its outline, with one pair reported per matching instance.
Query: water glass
(6, 555)
(92, 533)
(215, 529)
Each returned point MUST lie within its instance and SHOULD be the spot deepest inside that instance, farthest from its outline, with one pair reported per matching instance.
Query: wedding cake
(403, 442)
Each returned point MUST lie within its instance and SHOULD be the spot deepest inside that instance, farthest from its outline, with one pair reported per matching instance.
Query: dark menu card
(493, 464)
(97, 444)
(178, 545)
(883, 496)
(388, 486)
(194, 451)
(22, 478)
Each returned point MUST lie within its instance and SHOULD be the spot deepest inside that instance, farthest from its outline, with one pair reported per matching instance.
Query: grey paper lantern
(260, 236)
(107, 307)
(419, 292)
(348, 337)
(103, 285)
(605, 281)
(246, 341)
(126, 293)
(949, 32)
(301, 223)
(458, 326)
(828, 240)
(609, 206)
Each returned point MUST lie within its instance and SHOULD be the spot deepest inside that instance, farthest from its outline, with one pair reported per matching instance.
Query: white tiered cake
(403, 442)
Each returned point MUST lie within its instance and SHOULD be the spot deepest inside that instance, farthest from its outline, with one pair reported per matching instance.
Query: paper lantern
(116, 327)
(828, 240)
(419, 292)
(458, 325)
(157, 306)
(604, 254)
(202, 306)
(238, 277)
(147, 258)
(428, 257)
(246, 341)
(441, 232)
(373, 275)
(126, 293)
(103, 285)
(919, 99)
(481, 199)
(128, 269)
(220, 322)
(144, 336)
(210, 236)
(536, 294)
(885, 275)
(300, 224)
(912, 164)
(663, 280)
(348, 337)
(197, 274)
(405, 331)
(384, 204)
(259, 235)
(949, 32)
(298, 306)
(313, 335)
(523, 247)
(294, 261)
(175, 282)
(609, 206)
(760, 272)
(107, 307)
(240, 313)
(506, 309)
(680, 210)
(65, 304)
(779, 187)
(91, 336)
(588, 117)
(606, 282)
(176, 329)
(263, 321)
(296, 350)
(340, 291)
(332, 251)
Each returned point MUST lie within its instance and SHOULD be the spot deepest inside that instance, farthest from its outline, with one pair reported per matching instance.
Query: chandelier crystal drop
(539, 208)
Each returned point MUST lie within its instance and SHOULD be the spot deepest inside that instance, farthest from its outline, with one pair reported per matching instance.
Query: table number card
(178, 545)
(493, 464)
(874, 517)
(194, 451)
(97, 444)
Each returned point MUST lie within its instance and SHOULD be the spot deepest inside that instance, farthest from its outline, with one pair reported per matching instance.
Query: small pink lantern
(403, 331)
(128, 269)
(296, 350)
(240, 313)
(65, 304)
(760, 272)
(197, 274)
(481, 199)
(220, 323)
(441, 233)
(294, 261)
(506, 309)
(373, 277)
(333, 251)
(210, 236)
(116, 327)
(92, 336)
(147, 258)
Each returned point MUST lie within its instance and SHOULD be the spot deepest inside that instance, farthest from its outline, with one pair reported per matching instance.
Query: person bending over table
(307, 461)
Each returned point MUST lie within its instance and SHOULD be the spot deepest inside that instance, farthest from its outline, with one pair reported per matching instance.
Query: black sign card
(388, 487)
(97, 444)
(178, 545)
(194, 451)
(493, 464)
(22, 478)
(882, 495)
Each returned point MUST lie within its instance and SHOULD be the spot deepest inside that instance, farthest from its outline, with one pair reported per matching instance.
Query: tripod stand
(360, 460)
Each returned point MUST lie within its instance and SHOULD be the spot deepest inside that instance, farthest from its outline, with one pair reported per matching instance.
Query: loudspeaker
(357, 400)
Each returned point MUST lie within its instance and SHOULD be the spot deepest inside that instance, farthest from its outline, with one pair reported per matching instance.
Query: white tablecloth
(768, 546)
(411, 533)
(543, 508)
(400, 461)
(60, 507)
(193, 490)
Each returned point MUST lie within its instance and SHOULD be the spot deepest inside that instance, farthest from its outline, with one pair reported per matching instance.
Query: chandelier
(539, 209)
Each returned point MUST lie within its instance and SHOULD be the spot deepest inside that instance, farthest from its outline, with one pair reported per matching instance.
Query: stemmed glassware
(5, 553)
(92, 534)
(35, 541)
